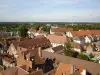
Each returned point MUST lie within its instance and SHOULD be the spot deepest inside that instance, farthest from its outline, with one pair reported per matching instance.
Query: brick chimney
(40, 52)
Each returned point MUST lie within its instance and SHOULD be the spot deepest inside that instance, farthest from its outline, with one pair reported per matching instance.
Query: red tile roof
(85, 32)
(57, 39)
(61, 29)
(63, 68)
(35, 42)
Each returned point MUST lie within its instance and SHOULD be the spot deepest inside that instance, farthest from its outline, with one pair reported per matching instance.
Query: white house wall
(69, 34)
(12, 50)
(51, 32)
(77, 50)
(77, 41)
(7, 64)
(87, 40)
(55, 44)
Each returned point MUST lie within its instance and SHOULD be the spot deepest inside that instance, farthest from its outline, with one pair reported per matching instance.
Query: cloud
(49, 10)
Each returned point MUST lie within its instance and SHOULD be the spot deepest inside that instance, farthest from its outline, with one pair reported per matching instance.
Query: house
(33, 62)
(3, 46)
(33, 32)
(5, 34)
(7, 60)
(31, 59)
(91, 67)
(16, 48)
(68, 69)
(58, 49)
(62, 30)
(79, 40)
(57, 40)
(94, 48)
(89, 35)
(80, 37)
(41, 32)
(77, 47)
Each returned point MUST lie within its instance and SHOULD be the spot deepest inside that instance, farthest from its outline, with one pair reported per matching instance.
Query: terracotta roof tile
(63, 68)
(85, 32)
(61, 29)
(57, 39)
(35, 42)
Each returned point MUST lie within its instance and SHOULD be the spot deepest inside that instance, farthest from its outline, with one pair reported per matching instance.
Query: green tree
(83, 56)
(46, 28)
(68, 51)
(22, 31)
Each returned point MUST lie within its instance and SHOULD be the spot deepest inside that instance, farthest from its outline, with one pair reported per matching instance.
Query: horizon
(49, 11)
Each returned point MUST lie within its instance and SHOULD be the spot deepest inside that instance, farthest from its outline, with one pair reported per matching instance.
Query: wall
(87, 40)
(7, 64)
(12, 50)
(76, 49)
(77, 41)
(55, 44)
(51, 32)
(69, 34)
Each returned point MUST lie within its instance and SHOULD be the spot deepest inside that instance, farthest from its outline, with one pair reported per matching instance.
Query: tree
(46, 28)
(22, 31)
(83, 56)
(68, 51)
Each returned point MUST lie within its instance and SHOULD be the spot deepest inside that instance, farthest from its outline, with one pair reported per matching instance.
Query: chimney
(39, 52)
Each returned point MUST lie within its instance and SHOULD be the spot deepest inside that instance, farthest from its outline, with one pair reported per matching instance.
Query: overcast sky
(50, 10)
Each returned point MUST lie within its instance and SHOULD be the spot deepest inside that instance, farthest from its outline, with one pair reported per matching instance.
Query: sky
(49, 10)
